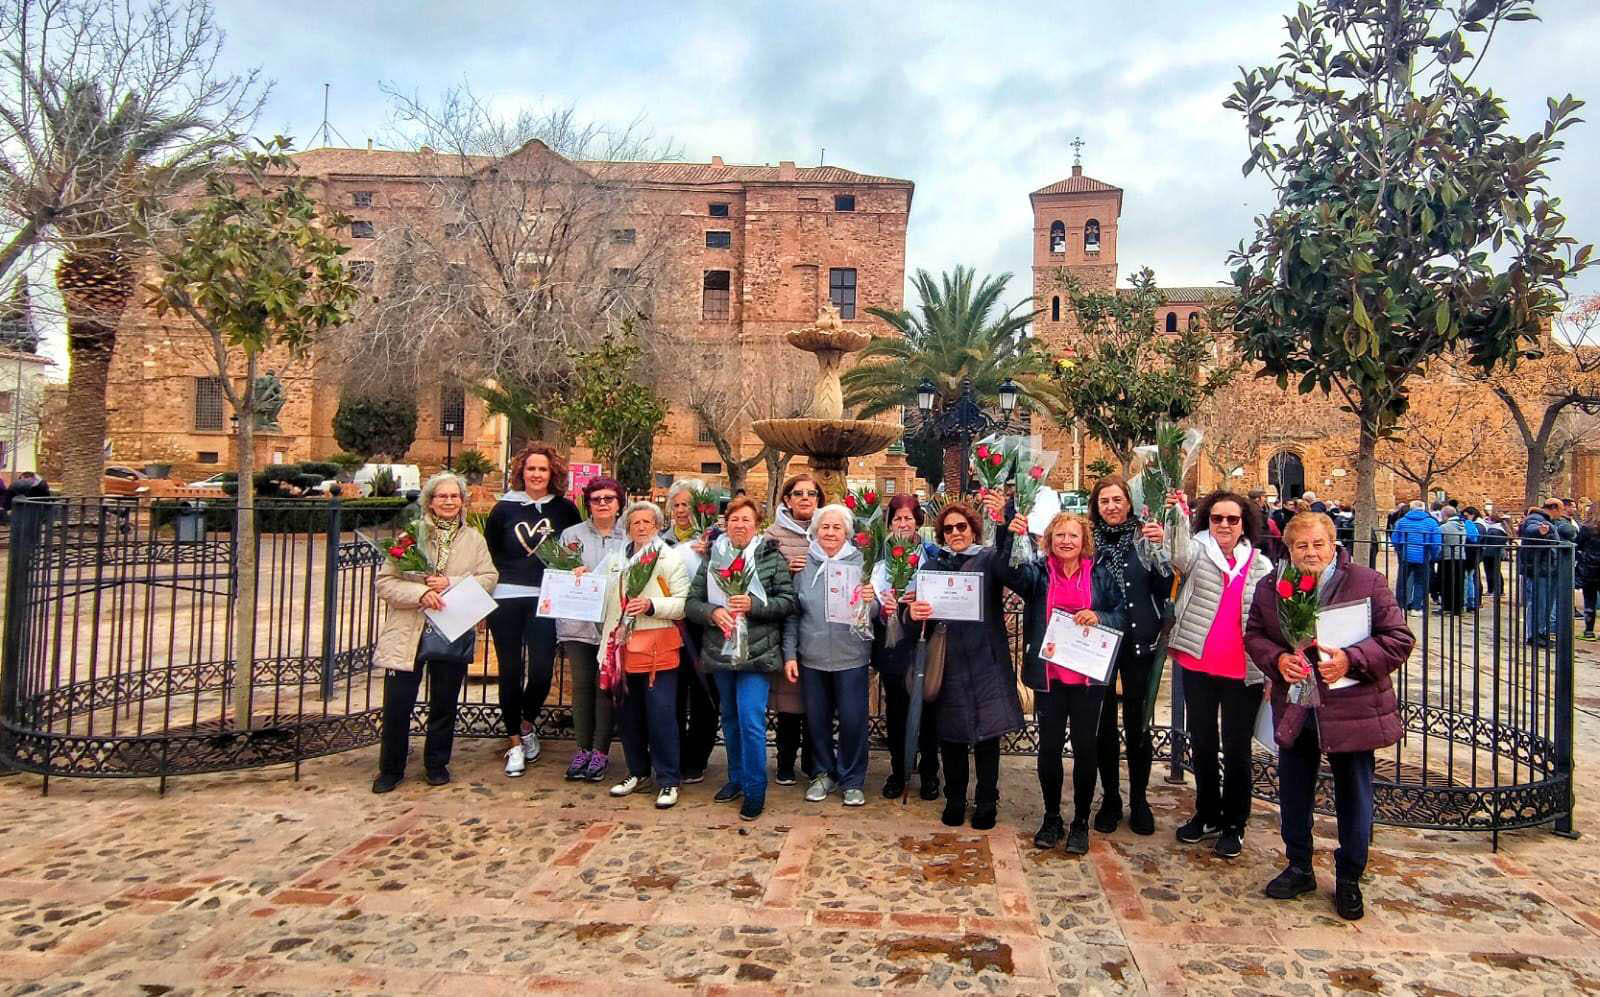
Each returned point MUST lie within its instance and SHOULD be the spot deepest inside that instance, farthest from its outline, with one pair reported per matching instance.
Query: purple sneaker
(580, 762)
(598, 764)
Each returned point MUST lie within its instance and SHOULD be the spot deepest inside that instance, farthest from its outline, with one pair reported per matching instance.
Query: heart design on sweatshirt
(531, 535)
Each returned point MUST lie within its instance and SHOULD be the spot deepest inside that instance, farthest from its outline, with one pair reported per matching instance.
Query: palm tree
(957, 334)
(111, 162)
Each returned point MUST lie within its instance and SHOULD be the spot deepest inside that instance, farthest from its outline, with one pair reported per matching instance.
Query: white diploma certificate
(1343, 625)
(954, 595)
(842, 581)
(465, 603)
(565, 596)
(1089, 651)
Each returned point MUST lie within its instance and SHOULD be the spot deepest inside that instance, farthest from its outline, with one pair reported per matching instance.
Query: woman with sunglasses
(597, 537)
(978, 702)
(892, 660)
(791, 530)
(1221, 686)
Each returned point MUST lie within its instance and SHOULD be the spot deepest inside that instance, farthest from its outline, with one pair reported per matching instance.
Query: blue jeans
(1411, 590)
(1538, 606)
(650, 726)
(842, 695)
(744, 730)
(1298, 766)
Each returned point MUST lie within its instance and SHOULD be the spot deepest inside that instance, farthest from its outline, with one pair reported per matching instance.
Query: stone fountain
(825, 435)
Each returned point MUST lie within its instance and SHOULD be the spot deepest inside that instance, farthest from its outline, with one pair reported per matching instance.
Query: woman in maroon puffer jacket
(1353, 721)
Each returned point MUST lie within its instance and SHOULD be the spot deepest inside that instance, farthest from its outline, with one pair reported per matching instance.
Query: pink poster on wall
(579, 475)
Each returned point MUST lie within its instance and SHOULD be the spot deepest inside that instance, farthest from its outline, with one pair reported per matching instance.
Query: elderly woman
(1143, 588)
(456, 551)
(598, 537)
(744, 682)
(830, 660)
(978, 702)
(698, 711)
(1069, 579)
(800, 496)
(524, 642)
(1221, 686)
(1358, 714)
(649, 650)
(892, 661)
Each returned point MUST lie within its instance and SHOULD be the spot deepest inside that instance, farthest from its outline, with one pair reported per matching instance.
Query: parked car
(215, 481)
(408, 476)
(119, 479)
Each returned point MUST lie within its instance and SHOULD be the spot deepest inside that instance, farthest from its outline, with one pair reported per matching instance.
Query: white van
(408, 475)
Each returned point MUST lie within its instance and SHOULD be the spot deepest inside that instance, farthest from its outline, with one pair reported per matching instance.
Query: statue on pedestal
(269, 401)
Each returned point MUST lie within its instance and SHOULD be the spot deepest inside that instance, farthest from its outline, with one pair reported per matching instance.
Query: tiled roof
(384, 163)
(1187, 294)
(1077, 184)
(711, 173)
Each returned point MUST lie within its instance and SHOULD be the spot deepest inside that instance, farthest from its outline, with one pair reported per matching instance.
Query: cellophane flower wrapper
(562, 557)
(1161, 468)
(869, 541)
(865, 505)
(734, 577)
(991, 469)
(703, 508)
(635, 577)
(406, 553)
(901, 571)
(1297, 617)
(1031, 468)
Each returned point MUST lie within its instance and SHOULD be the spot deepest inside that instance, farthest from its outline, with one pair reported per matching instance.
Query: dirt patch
(1113, 970)
(1361, 981)
(754, 973)
(1456, 906)
(1507, 960)
(978, 951)
(653, 881)
(743, 888)
(951, 860)
(596, 930)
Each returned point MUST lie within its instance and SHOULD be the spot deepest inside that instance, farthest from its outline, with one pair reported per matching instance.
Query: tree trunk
(954, 464)
(1367, 472)
(244, 540)
(775, 462)
(95, 288)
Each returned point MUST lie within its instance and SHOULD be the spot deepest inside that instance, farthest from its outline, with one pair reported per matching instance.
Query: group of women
(692, 652)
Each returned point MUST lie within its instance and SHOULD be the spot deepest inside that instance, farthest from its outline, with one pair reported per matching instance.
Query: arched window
(1058, 237)
(1091, 236)
(1055, 308)
(1172, 321)
(1194, 321)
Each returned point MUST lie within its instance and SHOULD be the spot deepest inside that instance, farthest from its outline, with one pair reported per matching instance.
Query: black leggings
(1135, 672)
(793, 739)
(525, 648)
(1077, 707)
(896, 702)
(986, 758)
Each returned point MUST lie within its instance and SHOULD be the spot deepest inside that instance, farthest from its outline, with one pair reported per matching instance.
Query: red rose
(407, 540)
(849, 501)
(727, 572)
(649, 557)
(897, 552)
(707, 508)
(737, 565)
(397, 552)
(1307, 583)
(983, 452)
(1036, 472)
(872, 497)
(862, 539)
(997, 459)
(1285, 590)
(912, 560)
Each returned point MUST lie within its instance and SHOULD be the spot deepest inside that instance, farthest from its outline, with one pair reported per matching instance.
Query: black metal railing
(118, 663)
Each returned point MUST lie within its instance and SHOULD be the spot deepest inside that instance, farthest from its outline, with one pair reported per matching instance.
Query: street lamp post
(964, 420)
(449, 445)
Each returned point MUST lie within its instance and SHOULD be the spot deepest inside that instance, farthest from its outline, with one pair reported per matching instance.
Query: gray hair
(642, 505)
(1418, 504)
(683, 485)
(432, 485)
(834, 509)
(1448, 511)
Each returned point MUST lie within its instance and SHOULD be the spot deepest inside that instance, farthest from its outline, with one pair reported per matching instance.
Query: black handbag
(435, 648)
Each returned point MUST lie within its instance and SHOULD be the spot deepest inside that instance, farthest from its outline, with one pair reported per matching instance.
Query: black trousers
(1299, 766)
(1064, 707)
(1135, 672)
(699, 714)
(400, 697)
(1220, 717)
(525, 649)
(1452, 586)
(792, 739)
(986, 755)
(896, 702)
(1492, 579)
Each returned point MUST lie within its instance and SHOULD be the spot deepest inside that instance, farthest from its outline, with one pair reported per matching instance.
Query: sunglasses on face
(1220, 520)
(958, 526)
(602, 499)
(797, 493)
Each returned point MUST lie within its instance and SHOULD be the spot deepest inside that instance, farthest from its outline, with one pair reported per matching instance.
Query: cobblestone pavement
(255, 883)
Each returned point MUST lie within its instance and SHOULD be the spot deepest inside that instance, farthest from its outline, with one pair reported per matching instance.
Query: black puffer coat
(764, 622)
(1587, 567)
(978, 700)
(1031, 581)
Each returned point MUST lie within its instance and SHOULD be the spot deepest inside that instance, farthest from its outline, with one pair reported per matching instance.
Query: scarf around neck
(788, 522)
(1242, 553)
(847, 552)
(723, 552)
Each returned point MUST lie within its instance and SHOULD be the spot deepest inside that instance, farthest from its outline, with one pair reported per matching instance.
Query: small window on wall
(206, 457)
(1194, 321)
(623, 236)
(1172, 321)
(1055, 308)
(361, 230)
(719, 240)
(452, 411)
(844, 202)
(361, 271)
(888, 486)
(710, 467)
(714, 303)
(842, 291)
(718, 211)
(702, 432)
(5, 403)
(361, 198)
(208, 403)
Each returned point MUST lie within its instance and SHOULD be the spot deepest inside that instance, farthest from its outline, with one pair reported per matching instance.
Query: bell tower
(1075, 230)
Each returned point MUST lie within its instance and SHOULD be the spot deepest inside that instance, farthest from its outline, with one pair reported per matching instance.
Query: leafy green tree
(957, 333)
(257, 268)
(1125, 374)
(376, 424)
(1409, 222)
(611, 408)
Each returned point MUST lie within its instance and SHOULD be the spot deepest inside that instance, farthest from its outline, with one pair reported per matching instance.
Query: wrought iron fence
(118, 662)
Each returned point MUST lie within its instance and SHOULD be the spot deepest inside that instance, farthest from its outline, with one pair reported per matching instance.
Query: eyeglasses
(807, 493)
(602, 499)
(959, 526)
(1217, 520)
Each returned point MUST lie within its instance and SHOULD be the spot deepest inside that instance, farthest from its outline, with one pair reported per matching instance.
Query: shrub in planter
(347, 463)
(385, 484)
(309, 515)
(323, 469)
(472, 465)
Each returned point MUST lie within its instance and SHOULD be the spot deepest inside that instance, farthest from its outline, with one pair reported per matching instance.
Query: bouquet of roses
(703, 502)
(1297, 616)
(735, 577)
(1165, 463)
(991, 466)
(902, 554)
(562, 557)
(1032, 465)
(405, 553)
(869, 540)
(865, 504)
(635, 577)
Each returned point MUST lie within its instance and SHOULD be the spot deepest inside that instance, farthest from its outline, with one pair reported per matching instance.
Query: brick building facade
(748, 253)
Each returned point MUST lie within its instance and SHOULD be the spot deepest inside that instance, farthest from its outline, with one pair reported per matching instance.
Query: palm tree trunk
(955, 456)
(95, 287)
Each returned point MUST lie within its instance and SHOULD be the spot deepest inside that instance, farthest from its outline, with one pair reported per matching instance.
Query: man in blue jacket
(1539, 539)
(1416, 543)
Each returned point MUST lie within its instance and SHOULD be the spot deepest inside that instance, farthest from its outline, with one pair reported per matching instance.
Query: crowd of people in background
(694, 659)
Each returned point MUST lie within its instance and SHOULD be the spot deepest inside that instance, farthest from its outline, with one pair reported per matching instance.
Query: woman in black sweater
(525, 644)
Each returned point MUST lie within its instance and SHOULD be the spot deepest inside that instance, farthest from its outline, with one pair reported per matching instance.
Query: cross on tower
(1077, 150)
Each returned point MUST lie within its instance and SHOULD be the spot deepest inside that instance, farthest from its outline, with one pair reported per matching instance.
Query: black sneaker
(1050, 832)
(955, 813)
(1347, 900)
(1194, 830)
(1140, 819)
(385, 783)
(1291, 883)
(691, 778)
(929, 790)
(729, 791)
(983, 818)
(749, 810)
(438, 777)
(894, 787)
(1109, 818)
(785, 776)
(1078, 838)
(1230, 843)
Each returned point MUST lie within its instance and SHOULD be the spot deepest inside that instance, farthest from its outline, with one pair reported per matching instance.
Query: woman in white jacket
(1221, 686)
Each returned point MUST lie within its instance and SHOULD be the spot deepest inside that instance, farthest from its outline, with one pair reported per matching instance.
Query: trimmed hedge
(289, 515)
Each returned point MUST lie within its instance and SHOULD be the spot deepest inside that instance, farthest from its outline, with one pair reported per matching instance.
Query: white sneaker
(515, 762)
(530, 746)
(855, 798)
(667, 797)
(819, 789)
(627, 786)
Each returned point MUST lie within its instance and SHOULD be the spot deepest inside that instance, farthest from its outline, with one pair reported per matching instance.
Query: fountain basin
(827, 438)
